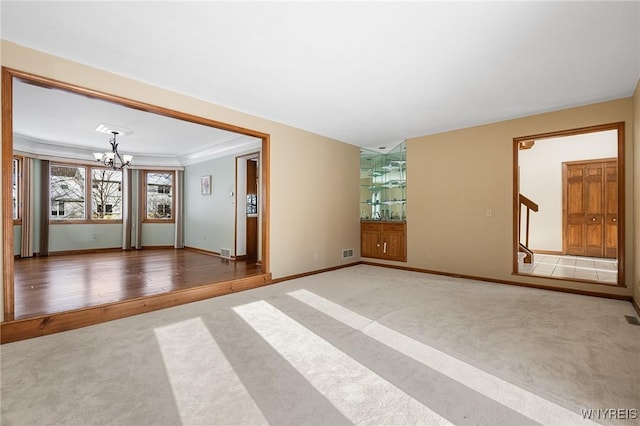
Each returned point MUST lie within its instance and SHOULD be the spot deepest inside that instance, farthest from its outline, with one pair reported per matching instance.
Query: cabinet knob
(594, 219)
(614, 219)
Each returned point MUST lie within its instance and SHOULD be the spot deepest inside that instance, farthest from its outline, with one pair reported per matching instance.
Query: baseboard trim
(315, 272)
(12, 331)
(499, 281)
(551, 252)
(85, 251)
(215, 253)
(635, 306)
(203, 251)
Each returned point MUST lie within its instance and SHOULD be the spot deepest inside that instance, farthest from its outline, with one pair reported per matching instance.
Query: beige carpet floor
(360, 345)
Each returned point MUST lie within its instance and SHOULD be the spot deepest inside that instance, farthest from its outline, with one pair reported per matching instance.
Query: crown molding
(46, 149)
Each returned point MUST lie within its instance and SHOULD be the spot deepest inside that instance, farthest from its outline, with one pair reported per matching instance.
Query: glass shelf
(383, 184)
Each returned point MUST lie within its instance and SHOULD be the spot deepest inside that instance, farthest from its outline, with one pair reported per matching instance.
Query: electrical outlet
(428, 255)
(489, 212)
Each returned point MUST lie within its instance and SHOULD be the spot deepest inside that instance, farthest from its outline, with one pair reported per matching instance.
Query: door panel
(574, 239)
(370, 243)
(590, 206)
(611, 210)
(593, 196)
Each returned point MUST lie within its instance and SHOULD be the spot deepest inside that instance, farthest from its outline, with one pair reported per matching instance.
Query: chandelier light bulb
(111, 158)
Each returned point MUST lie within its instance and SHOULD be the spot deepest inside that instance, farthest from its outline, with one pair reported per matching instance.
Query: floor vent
(632, 320)
(347, 253)
(225, 253)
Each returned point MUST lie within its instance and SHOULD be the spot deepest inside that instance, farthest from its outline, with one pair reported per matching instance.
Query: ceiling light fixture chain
(112, 158)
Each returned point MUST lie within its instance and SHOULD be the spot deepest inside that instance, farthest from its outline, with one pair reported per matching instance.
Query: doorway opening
(569, 205)
(248, 209)
(131, 303)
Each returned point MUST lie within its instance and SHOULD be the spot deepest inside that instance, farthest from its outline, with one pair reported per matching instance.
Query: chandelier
(113, 159)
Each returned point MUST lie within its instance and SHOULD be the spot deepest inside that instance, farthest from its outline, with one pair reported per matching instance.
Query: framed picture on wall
(205, 185)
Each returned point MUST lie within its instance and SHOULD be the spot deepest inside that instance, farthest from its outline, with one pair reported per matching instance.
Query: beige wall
(314, 180)
(636, 180)
(454, 177)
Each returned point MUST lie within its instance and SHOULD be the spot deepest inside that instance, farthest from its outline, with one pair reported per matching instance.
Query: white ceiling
(58, 123)
(365, 73)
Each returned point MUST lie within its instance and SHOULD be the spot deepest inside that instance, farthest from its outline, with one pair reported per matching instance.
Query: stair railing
(531, 206)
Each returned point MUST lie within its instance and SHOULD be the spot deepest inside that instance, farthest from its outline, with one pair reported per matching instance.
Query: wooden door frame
(565, 164)
(620, 128)
(8, 75)
(246, 157)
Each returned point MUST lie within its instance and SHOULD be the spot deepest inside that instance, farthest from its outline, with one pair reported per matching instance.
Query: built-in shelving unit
(383, 184)
(383, 199)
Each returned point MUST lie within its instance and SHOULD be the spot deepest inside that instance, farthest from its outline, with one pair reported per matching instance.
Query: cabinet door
(394, 243)
(370, 240)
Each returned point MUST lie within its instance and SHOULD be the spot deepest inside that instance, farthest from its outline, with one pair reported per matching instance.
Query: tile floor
(585, 268)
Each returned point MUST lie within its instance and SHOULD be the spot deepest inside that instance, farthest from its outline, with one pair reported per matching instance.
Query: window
(106, 194)
(57, 208)
(67, 192)
(107, 209)
(16, 176)
(159, 194)
(69, 189)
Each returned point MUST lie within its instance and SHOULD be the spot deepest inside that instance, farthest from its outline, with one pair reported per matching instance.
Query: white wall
(157, 234)
(241, 210)
(69, 236)
(209, 220)
(541, 180)
(17, 236)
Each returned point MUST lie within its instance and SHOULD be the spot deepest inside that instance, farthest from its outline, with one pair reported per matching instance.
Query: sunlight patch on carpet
(357, 392)
(524, 402)
(205, 387)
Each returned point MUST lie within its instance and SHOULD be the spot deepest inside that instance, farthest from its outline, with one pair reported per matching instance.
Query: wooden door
(590, 203)
(611, 210)
(252, 216)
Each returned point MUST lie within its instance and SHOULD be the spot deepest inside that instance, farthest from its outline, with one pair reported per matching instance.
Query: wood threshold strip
(12, 331)
(516, 283)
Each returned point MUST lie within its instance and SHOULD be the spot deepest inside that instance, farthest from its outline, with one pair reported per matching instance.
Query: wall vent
(632, 320)
(347, 253)
(225, 252)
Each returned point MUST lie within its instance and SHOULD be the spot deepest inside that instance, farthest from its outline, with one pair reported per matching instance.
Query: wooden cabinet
(384, 240)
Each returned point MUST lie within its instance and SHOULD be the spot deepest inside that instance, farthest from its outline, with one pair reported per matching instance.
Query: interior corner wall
(453, 178)
(313, 180)
(209, 220)
(636, 183)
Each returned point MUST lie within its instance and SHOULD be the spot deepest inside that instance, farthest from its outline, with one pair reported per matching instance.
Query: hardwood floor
(54, 284)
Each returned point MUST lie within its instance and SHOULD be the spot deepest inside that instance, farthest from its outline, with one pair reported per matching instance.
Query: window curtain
(179, 186)
(126, 209)
(26, 244)
(138, 181)
(45, 208)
